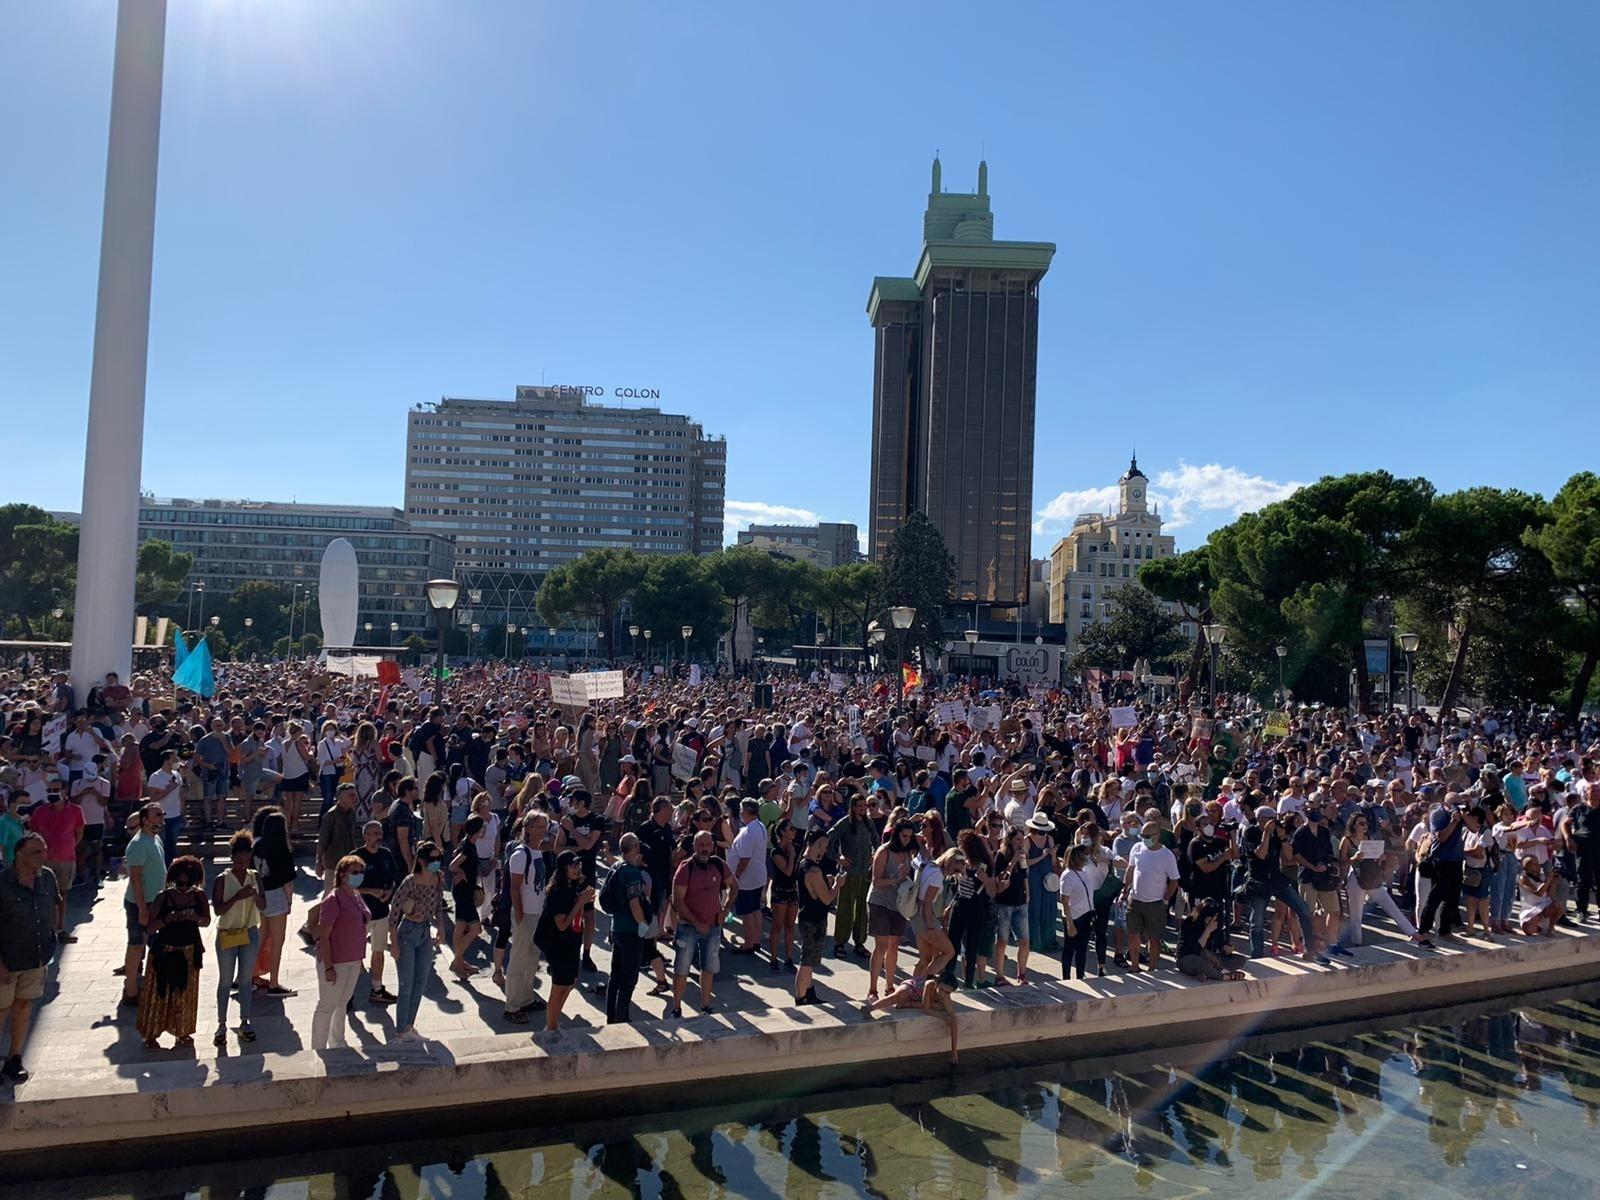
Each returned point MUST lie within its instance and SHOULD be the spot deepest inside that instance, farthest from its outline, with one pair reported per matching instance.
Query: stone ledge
(85, 1104)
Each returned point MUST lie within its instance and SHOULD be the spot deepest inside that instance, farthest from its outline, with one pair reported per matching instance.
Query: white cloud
(1056, 517)
(1189, 491)
(739, 514)
(1184, 496)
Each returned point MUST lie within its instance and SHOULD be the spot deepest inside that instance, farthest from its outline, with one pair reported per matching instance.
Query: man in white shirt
(1151, 883)
(526, 866)
(165, 787)
(748, 857)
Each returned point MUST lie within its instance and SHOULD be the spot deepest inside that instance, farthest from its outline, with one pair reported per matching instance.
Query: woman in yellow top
(236, 897)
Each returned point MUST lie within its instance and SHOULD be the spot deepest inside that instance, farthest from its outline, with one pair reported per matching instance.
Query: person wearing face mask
(1211, 858)
(169, 1001)
(341, 942)
(1151, 883)
(416, 910)
(1313, 853)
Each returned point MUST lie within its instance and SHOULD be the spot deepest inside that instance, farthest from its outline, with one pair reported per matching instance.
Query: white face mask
(1208, 830)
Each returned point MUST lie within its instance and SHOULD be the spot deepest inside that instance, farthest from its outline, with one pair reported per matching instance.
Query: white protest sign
(982, 718)
(1124, 717)
(951, 712)
(835, 682)
(683, 761)
(569, 691)
(694, 675)
(604, 685)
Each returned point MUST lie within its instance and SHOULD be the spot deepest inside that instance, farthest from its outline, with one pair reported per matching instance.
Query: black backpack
(613, 898)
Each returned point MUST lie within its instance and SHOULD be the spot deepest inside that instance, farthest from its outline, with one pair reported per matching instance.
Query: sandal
(871, 997)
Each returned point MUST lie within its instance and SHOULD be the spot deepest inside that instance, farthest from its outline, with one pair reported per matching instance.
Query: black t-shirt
(154, 744)
(1207, 883)
(657, 842)
(1016, 892)
(956, 814)
(1315, 845)
(380, 872)
(424, 740)
(1263, 869)
(853, 770)
(811, 909)
(583, 827)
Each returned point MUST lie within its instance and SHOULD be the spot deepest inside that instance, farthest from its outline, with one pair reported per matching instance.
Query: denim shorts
(1011, 922)
(275, 904)
(136, 934)
(696, 949)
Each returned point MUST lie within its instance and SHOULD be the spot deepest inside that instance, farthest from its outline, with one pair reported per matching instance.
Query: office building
(524, 485)
(1103, 553)
(830, 543)
(237, 541)
(953, 393)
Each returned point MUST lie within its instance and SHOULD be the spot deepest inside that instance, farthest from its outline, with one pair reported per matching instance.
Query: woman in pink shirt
(341, 933)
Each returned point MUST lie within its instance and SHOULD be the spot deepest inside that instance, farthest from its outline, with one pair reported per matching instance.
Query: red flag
(388, 672)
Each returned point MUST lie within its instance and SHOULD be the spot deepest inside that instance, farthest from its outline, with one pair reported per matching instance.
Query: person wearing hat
(1019, 804)
(1042, 866)
(1266, 852)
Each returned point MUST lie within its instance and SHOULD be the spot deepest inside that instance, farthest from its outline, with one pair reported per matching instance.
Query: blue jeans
(1279, 889)
(1503, 887)
(170, 830)
(236, 966)
(414, 966)
(330, 787)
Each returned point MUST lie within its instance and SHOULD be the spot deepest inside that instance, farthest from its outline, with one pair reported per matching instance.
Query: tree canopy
(917, 572)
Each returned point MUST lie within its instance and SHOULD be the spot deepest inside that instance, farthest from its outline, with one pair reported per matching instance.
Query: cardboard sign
(569, 691)
(684, 761)
(1124, 717)
(835, 681)
(951, 712)
(1277, 724)
(982, 718)
(1372, 849)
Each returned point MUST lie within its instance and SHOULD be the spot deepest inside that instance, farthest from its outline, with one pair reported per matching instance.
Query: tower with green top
(954, 376)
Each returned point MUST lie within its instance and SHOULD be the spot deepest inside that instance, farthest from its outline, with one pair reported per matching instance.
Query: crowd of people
(963, 834)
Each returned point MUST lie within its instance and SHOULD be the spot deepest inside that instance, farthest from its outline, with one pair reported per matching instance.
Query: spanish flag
(910, 679)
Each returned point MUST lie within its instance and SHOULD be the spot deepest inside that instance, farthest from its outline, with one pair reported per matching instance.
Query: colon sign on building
(1102, 553)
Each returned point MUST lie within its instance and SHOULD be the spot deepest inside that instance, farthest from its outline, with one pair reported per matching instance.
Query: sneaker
(222, 1037)
(247, 1032)
(278, 991)
(379, 996)
(14, 1070)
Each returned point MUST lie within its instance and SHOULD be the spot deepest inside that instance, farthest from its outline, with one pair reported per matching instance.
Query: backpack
(613, 896)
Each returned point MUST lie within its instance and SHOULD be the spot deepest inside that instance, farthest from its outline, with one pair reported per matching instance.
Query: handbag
(232, 939)
(905, 895)
(1472, 876)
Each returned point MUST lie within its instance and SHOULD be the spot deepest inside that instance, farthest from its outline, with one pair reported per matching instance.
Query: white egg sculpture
(339, 594)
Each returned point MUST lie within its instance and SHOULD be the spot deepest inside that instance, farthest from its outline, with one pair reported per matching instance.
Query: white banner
(836, 682)
(951, 712)
(694, 675)
(1124, 718)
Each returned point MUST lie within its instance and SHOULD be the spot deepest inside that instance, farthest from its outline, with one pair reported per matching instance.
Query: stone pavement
(95, 1085)
(80, 1019)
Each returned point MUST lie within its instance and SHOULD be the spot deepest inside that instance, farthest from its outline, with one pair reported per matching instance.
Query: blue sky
(1292, 239)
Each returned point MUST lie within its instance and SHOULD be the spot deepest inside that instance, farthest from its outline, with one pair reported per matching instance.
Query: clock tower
(1134, 489)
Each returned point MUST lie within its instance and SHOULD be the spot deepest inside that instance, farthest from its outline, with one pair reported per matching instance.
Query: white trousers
(328, 1021)
(1359, 900)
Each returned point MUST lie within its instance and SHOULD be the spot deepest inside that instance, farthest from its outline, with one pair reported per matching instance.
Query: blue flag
(180, 649)
(195, 674)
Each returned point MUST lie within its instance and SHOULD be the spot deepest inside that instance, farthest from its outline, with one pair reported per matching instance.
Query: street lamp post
(821, 638)
(1409, 643)
(1283, 653)
(972, 636)
(442, 595)
(394, 633)
(647, 645)
(1215, 636)
(472, 639)
(200, 586)
(510, 629)
(366, 627)
(901, 617)
(633, 632)
(688, 632)
(599, 642)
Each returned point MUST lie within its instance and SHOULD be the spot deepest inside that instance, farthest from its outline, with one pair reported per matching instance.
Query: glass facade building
(237, 541)
(954, 387)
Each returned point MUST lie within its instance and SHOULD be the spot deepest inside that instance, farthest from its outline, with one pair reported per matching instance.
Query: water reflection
(1478, 1103)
